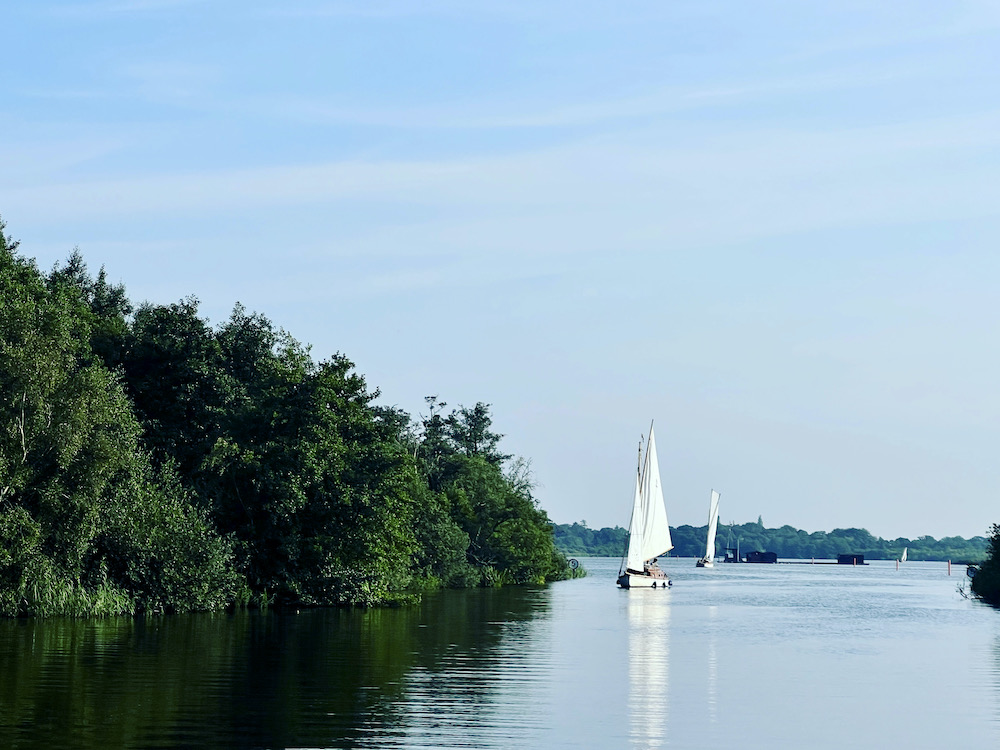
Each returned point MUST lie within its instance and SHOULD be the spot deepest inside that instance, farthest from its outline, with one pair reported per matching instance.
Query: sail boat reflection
(649, 668)
(713, 667)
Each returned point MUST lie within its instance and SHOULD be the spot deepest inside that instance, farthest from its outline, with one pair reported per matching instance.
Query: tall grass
(39, 591)
(65, 599)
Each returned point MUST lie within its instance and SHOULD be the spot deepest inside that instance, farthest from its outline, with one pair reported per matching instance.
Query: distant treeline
(787, 542)
(150, 462)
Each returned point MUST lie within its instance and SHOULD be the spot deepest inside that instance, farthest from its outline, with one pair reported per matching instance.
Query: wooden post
(949, 567)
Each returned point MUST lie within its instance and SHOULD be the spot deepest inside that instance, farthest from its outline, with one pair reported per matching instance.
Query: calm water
(747, 656)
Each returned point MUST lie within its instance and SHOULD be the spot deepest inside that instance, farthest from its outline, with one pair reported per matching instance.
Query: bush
(986, 583)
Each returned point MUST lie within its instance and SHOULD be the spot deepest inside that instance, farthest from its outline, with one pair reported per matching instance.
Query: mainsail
(713, 524)
(634, 558)
(649, 531)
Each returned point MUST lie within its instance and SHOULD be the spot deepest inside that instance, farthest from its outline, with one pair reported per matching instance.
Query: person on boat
(652, 569)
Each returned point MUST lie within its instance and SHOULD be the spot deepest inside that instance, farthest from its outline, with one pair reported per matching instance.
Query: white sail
(713, 524)
(634, 558)
(903, 556)
(656, 529)
(649, 530)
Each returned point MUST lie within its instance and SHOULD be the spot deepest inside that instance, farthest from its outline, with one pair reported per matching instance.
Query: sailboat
(902, 558)
(649, 531)
(708, 561)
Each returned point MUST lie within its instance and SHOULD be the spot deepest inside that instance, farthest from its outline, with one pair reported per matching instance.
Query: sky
(771, 227)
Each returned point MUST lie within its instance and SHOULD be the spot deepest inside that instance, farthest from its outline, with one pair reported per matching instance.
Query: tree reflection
(329, 677)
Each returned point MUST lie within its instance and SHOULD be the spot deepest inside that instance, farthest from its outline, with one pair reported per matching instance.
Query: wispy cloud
(171, 80)
(970, 18)
(30, 163)
(485, 114)
(233, 189)
(374, 9)
(629, 190)
(558, 13)
(90, 9)
(64, 94)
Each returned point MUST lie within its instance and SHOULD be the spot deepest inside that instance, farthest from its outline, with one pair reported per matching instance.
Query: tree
(304, 475)
(174, 371)
(77, 496)
(434, 447)
(160, 547)
(108, 304)
(66, 426)
(440, 558)
(986, 583)
(469, 431)
(508, 538)
(149, 462)
(507, 531)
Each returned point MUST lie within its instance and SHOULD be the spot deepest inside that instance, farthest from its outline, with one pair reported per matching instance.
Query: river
(769, 657)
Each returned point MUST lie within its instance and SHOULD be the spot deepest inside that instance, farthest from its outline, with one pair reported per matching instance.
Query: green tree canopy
(149, 461)
(71, 466)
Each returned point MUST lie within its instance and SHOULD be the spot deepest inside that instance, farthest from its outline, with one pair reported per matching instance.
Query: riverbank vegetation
(786, 541)
(986, 582)
(150, 462)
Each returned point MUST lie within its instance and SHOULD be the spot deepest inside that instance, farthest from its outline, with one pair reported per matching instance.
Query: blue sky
(772, 227)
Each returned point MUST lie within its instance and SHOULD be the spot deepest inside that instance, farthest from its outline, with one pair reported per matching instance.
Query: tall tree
(305, 475)
(174, 370)
(469, 430)
(66, 425)
(76, 492)
(108, 304)
(435, 446)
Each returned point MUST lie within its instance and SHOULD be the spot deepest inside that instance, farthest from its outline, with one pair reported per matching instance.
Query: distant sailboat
(708, 561)
(902, 557)
(649, 530)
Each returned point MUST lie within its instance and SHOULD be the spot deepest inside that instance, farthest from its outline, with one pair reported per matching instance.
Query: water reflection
(102, 683)
(482, 668)
(994, 675)
(325, 678)
(579, 664)
(649, 666)
(713, 665)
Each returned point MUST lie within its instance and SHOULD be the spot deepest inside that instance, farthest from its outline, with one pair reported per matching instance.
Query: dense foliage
(150, 462)
(787, 542)
(579, 539)
(986, 583)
